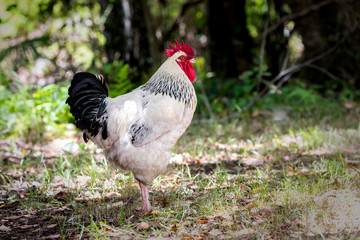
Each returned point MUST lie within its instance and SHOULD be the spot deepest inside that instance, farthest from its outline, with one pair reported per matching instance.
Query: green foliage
(121, 82)
(33, 113)
(67, 34)
(254, 12)
(295, 95)
(231, 94)
(349, 94)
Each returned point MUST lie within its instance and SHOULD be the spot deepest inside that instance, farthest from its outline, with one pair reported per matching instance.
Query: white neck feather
(171, 80)
(170, 65)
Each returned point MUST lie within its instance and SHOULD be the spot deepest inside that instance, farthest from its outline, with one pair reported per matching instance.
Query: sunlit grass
(243, 180)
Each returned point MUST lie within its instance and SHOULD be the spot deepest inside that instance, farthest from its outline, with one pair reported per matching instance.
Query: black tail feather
(88, 101)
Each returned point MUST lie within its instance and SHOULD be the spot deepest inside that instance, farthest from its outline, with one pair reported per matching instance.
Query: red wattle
(188, 69)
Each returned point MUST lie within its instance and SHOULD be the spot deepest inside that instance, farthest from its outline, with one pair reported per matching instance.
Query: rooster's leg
(145, 197)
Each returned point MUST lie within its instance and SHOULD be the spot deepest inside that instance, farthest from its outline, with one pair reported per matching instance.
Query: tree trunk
(230, 42)
(130, 36)
(150, 33)
(116, 46)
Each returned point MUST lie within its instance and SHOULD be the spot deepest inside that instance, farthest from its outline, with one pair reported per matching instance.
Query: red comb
(185, 48)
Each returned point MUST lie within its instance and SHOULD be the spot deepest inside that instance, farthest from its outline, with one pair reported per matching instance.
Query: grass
(255, 178)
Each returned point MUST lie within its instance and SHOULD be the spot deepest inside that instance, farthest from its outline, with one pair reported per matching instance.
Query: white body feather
(163, 118)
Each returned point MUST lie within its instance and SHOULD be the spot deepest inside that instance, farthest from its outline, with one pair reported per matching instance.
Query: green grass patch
(251, 178)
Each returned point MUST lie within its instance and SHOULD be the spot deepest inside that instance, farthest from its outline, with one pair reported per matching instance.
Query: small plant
(33, 114)
(120, 78)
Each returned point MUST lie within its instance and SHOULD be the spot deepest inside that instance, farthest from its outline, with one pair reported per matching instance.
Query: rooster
(137, 130)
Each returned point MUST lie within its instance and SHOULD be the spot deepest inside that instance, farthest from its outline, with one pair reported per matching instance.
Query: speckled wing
(160, 115)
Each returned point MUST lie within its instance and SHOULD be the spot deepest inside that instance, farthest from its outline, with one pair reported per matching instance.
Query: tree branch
(324, 71)
(284, 75)
(302, 13)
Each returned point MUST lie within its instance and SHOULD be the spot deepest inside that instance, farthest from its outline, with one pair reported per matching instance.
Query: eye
(182, 57)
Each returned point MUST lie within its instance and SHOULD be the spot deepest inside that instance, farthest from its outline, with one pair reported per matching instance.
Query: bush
(34, 114)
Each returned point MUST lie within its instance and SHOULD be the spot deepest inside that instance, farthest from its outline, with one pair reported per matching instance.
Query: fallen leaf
(174, 228)
(155, 212)
(256, 218)
(202, 221)
(56, 236)
(246, 231)
(32, 170)
(111, 195)
(290, 172)
(257, 190)
(29, 226)
(83, 181)
(35, 184)
(20, 185)
(215, 232)
(51, 225)
(22, 194)
(12, 217)
(267, 212)
(57, 182)
(219, 217)
(143, 226)
(250, 206)
(252, 161)
(4, 228)
(115, 204)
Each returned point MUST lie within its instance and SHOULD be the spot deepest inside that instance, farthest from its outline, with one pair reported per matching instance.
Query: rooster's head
(185, 60)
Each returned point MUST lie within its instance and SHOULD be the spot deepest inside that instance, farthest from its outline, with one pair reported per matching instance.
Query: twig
(306, 63)
(324, 71)
(286, 58)
(302, 13)
(262, 51)
(283, 80)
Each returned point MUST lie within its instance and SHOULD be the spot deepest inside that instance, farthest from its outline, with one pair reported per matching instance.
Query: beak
(192, 60)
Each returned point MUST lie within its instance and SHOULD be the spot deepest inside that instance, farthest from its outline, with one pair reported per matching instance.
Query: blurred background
(255, 58)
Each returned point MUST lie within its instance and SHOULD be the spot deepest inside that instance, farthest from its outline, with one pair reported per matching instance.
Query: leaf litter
(231, 195)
